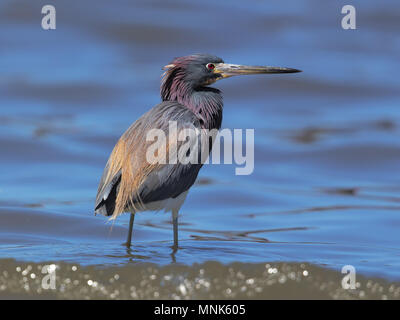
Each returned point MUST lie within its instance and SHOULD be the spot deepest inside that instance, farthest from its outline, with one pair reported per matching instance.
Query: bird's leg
(175, 224)
(131, 220)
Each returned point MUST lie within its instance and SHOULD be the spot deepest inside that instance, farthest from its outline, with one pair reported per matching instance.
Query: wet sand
(209, 281)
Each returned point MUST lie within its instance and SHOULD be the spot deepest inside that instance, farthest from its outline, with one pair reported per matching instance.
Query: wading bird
(129, 182)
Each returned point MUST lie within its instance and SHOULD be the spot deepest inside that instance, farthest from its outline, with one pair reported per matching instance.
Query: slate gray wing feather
(164, 181)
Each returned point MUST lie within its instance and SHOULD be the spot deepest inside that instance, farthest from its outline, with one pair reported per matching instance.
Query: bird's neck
(205, 102)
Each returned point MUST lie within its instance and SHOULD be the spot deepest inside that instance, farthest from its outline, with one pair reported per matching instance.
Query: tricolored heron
(131, 184)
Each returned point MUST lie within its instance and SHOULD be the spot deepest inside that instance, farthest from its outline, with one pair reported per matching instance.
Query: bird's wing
(130, 180)
(107, 194)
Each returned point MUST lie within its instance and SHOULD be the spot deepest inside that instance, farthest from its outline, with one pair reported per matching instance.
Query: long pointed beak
(229, 70)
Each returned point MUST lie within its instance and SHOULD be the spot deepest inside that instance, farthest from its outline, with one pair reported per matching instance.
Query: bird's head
(199, 70)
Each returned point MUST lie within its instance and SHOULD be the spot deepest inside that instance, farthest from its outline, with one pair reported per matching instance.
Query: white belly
(168, 205)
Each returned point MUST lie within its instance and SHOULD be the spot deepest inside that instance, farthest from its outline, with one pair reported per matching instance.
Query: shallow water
(326, 184)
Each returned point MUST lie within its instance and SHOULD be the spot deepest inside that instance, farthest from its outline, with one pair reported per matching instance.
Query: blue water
(326, 183)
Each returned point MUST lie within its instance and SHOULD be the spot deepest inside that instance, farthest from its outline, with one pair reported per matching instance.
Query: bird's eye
(210, 66)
